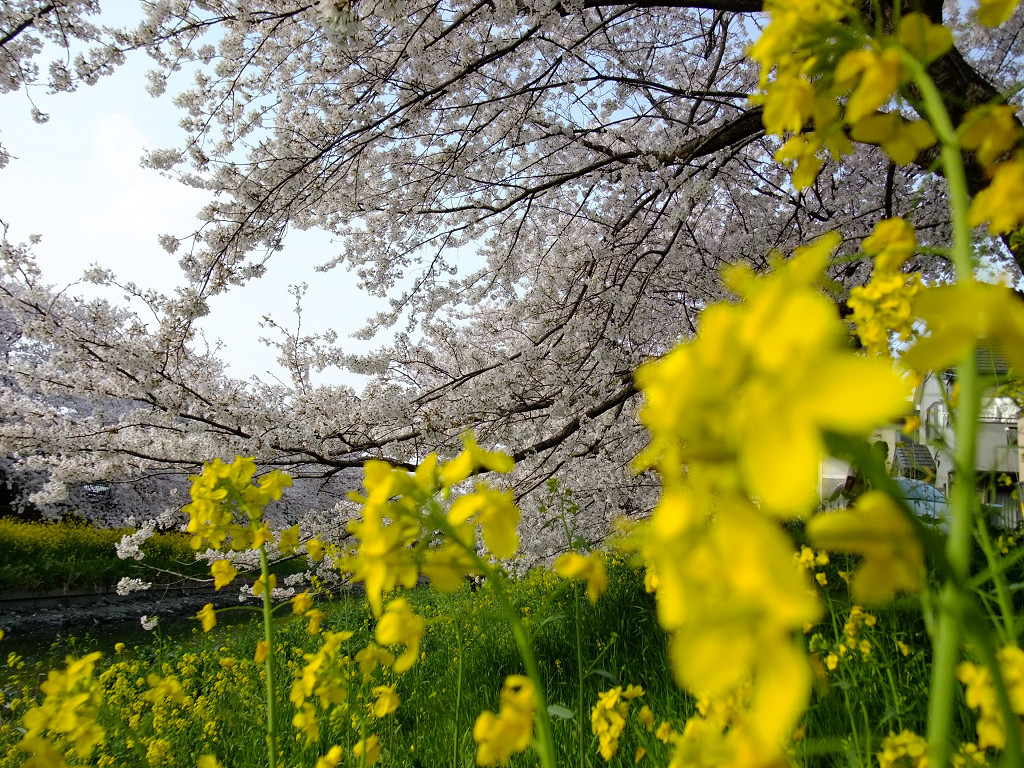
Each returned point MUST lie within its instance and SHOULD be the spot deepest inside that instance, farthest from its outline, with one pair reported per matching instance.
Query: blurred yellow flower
(608, 718)
(992, 13)
(874, 76)
(497, 514)
(980, 693)
(331, 759)
(573, 565)
(367, 749)
(924, 40)
(315, 550)
(991, 131)
(71, 701)
(223, 573)
(315, 616)
(304, 721)
(369, 657)
(1001, 203)
(901, 139)
(472, 459)
(500, 736)
(401, 626)
(161, 688)
(385, 700)
(301, 602)
(289, 540)
(207, 616)
(905, 749)
(880, 532)
(259, 586)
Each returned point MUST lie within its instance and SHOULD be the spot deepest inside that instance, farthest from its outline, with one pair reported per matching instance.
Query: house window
(936, 421)
(1002, 409)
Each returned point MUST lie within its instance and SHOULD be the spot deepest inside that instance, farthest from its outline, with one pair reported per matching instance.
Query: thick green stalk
(545, 733)
(949, 628)
(268, 637)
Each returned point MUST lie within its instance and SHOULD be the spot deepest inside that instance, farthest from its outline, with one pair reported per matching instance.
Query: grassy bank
(872, 680)
(63, 555)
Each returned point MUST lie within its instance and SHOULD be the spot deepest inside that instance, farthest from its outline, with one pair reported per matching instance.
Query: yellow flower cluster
(885, 304)
(903, 750)
(499, 736)
(961, 315)
(981, 694)
(319, 678)
(399, 520)
(737, 420)
(401, 626)
(220, 491)
(608, 717)
(832, 78)
(66, 718)
(884, 536)
(573, 565)
(820, 62)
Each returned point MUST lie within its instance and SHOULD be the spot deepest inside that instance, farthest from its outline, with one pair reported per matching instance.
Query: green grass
(466, 654)
(74, 554)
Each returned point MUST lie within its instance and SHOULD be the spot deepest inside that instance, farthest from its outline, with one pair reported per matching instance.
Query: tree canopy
(546, 191)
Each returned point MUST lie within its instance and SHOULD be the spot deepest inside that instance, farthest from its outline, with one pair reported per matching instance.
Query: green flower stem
(545, 742)
(268, 636)
(579, 674)
(545, 734)
(952, 601)
(458, 697)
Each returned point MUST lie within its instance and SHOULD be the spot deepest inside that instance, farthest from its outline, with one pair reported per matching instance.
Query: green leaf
(561, 712)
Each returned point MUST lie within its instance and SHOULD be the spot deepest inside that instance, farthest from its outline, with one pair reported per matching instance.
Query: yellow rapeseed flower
(573, 565)
(315, 550)
(881, 533)
(472, 459)
(301, 602)
(991, 131)
(401, 626)
(1001, 203)
(369, 657)
(874, 76)
(903, 750)
(207, 616)
(500, 736)
(368, 749)
(161, 688)
(497, 514)
(385, 700)
(223, 573)
(331, 759)
(289, 540)
(304, 721)
(924, 39)
(992, 13)
(901, 139)
(259, 586)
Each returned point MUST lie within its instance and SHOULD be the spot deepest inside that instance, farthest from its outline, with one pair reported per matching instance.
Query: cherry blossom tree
(545, 190)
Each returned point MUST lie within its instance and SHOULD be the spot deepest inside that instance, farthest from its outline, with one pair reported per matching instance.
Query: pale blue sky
(77, 182)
